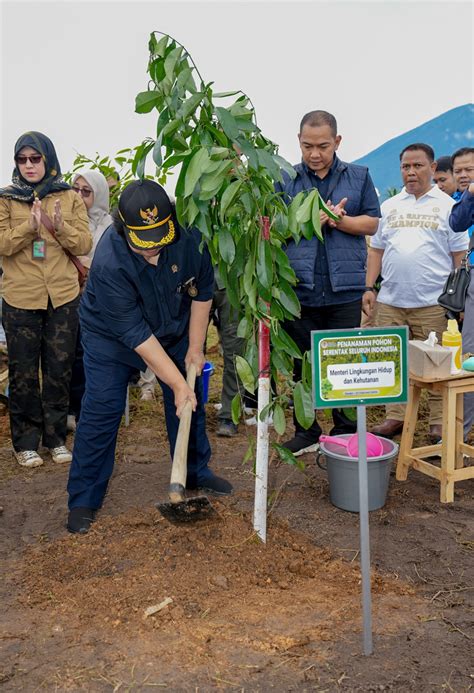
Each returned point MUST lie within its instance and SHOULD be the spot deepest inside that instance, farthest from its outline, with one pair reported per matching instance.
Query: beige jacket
(29, 283)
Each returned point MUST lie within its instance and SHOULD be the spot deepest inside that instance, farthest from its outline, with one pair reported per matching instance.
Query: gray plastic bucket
(343, 475)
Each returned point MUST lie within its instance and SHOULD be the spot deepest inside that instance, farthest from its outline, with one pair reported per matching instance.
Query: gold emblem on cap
(149, 216)
(174, 268)
(140, 243)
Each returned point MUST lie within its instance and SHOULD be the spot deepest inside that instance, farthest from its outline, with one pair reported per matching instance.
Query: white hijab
(99, 217)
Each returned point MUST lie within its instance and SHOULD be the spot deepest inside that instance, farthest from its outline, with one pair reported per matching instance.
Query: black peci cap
(146, 210)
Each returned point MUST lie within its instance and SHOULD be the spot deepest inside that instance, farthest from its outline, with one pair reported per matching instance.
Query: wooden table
(452, 448)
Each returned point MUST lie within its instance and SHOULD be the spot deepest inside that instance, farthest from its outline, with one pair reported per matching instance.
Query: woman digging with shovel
(146, 303)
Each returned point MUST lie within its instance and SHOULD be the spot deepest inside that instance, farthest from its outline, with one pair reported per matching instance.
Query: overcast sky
(72, 69)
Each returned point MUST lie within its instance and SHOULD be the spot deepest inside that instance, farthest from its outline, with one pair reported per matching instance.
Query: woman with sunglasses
(41, 219)
(92, 186)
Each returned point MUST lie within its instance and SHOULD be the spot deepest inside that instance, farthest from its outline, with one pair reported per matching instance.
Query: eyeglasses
(35, 159)
(85, 192)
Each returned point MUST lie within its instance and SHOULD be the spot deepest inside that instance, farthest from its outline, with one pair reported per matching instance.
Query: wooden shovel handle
(180, 458)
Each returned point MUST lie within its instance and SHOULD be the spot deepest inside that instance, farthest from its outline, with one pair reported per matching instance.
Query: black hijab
(52, 181)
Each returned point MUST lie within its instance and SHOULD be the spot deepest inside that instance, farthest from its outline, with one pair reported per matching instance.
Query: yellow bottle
(453, 340)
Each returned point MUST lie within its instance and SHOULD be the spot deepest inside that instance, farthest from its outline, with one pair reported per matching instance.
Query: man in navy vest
(331, 275)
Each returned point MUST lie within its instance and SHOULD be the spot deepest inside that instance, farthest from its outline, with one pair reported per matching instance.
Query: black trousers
(339, 316)
(34, 336)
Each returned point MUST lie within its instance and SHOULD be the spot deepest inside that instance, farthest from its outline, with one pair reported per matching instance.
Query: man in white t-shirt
(414, 250)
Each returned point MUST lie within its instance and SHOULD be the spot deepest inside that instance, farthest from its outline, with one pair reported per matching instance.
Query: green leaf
(283, 341)
(289, 299)
(170, 128)
(232, 287)
(214, 180)
(249, 151)
(179, 190)
(157, 158)
(292, 211)
(196, 166)
(236, 408)
(157, 73)
(266, 161)
(176, 159)
(326, 210)
(287, 456)
(145, 101)
(285, 165)
(228, 197)
(171, 60)
(160, 47)
(244, 328)
(183, 78)
(250, 453)
(192, 211)
(219, 137)
(281, 258)
(304, 407)
(264, 264)
(222, 94)
(249, 278)
(226, 245)
(281, 362)
(307, 229)
(218, 153)
(307, 373)
(245, 373)
(279, 421)
(315, 218)
(227, 122)
(304, 212)
(190, 105)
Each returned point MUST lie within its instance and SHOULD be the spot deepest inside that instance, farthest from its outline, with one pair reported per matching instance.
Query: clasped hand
(337, 209)
(35, 216)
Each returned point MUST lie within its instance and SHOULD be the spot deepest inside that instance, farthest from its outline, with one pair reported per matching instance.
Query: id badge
(39, 249)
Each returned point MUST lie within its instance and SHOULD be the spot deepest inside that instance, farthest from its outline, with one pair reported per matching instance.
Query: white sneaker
(253, 421)
(147, 395)
(71, 423)
(28, 458)
(61, 454)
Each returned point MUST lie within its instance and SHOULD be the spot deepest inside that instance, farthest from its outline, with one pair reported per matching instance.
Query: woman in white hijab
(93, 188)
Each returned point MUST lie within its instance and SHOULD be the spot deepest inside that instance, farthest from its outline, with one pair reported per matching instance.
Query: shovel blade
(189, 510)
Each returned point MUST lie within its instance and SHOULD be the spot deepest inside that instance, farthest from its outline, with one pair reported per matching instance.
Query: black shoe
(299, 445)
(212, 484)
(80, 520)
(342, 430)
(227, 429)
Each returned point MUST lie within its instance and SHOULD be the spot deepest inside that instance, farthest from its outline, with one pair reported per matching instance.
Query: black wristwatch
(370, 288)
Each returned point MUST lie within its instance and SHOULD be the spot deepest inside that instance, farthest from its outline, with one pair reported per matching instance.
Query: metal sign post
(364, 531)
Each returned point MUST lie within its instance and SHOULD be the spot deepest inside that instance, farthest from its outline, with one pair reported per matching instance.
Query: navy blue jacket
(462, 214)
(346, 254)
(127, 299)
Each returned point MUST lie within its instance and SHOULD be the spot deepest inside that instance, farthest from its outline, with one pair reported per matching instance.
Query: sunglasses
(85, 192)
(35, 159)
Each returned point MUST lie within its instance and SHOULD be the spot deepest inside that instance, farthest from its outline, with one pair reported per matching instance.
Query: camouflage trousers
(35, 338)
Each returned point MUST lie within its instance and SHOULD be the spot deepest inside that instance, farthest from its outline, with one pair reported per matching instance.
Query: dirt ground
(235, 614)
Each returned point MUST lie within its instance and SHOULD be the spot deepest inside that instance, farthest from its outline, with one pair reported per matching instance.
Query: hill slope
(445, 133)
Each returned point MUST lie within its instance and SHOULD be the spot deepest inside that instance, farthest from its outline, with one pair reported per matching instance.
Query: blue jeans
(101, 413)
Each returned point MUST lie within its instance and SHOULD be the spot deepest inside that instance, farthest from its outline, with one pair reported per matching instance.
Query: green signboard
(359, 366)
